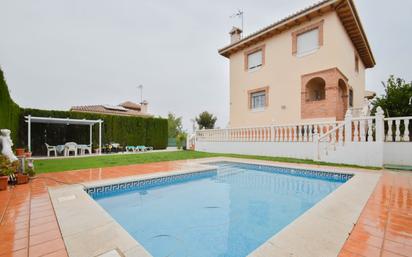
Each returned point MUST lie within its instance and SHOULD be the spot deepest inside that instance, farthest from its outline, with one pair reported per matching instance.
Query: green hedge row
(9, 110)
(115, 129)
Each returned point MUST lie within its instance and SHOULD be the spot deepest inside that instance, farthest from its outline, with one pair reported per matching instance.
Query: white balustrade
(340, 135)
(362, 136)
(300, 133)
(355, 132)
(370, 136)
(398, 129)
(277, 133)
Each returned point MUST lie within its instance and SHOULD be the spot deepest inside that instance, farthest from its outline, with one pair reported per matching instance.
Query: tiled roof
(107, 109)
(346, 11)
(131, 105)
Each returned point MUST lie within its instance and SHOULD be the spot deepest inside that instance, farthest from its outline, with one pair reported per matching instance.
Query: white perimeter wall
(301, 150)
(360, 153)
(397, 153)
(357, 153)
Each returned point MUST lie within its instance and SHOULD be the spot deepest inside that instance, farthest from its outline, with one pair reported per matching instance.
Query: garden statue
(6, 144)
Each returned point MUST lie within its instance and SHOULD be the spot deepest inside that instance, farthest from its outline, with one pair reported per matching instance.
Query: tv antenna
(238, 14)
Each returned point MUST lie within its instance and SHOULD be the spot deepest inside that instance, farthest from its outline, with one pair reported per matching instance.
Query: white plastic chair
(70, 147)
(50, 149)
(84, 148)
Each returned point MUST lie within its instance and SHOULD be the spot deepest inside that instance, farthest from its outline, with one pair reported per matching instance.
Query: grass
(65, 164)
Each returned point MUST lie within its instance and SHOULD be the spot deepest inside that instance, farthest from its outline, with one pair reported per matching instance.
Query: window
(350, 98)
(258, 98)
(308, 39)
(254, 60)
(308, 42)
(356, 63)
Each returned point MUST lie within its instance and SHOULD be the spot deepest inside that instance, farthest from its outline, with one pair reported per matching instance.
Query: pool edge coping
(277, 245)
(66, 198)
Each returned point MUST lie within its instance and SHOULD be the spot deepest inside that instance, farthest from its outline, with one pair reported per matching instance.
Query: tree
(396, 100)
(206, 120)
(174, 125)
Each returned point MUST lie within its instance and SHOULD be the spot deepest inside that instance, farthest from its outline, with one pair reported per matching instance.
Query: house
(127, 108)
(309, 66)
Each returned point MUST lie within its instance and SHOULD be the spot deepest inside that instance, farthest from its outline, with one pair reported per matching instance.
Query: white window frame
(261, 95)
(312, 35)
(257, 66)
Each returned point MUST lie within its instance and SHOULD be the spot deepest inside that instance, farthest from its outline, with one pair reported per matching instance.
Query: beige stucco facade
(283, 73)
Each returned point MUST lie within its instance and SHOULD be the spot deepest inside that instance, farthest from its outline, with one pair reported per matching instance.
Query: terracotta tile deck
(385, 225)
(28, 226)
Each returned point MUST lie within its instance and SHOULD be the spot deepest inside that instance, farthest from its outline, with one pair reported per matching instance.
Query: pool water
(227, 212)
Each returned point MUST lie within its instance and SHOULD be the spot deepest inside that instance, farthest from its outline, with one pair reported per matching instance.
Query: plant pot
(3, 182)
(22, 179)
(28, 154)
(20, 152)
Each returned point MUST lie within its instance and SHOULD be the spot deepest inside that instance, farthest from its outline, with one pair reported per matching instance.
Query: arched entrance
(315, 89)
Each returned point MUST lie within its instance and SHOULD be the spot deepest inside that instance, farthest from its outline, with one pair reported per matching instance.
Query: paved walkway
(28, 226)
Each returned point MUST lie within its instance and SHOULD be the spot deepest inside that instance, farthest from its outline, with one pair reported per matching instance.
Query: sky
(60, 53)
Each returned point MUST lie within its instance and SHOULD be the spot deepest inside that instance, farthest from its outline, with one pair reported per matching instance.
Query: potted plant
(23, 178)
(6, 170)
(20, 152)
(181, 141)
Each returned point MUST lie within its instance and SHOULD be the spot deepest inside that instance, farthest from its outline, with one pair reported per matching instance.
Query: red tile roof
(124, 109)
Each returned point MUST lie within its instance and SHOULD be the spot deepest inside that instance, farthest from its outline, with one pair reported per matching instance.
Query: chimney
(235, 35)
(144, 106)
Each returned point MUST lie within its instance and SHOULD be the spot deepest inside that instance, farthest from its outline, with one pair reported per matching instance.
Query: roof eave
(225, 51)
(355, 11)
(291, 21)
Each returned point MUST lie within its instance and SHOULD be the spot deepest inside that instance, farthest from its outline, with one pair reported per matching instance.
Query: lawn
(64, 164)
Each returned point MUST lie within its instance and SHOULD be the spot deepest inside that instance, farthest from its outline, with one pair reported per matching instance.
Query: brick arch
(343, 99)
(315, 89)
(332, 105)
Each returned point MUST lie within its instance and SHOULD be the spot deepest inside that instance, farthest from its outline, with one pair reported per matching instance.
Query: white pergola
(66, 121)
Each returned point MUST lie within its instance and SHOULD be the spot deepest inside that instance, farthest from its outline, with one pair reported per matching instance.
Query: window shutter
(308, 42)
(255, 60)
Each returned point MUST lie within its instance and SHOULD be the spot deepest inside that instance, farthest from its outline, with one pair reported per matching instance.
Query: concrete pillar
(348, 126)
(379, 126)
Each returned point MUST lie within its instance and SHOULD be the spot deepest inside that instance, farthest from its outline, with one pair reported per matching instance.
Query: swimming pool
(229, 211)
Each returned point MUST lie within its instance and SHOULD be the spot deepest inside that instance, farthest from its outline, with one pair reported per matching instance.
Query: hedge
(125, 130)
(9, 110)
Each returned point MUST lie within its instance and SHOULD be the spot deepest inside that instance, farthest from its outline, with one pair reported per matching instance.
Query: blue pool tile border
(334, 176)
(99, 191)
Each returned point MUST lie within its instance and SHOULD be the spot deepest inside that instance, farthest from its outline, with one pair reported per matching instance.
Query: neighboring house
(309, 66)
(124, 109)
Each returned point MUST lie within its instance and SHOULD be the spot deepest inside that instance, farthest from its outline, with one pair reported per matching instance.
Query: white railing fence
(274, 133)
(362, 140)
(398, 129)
(353, 130)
